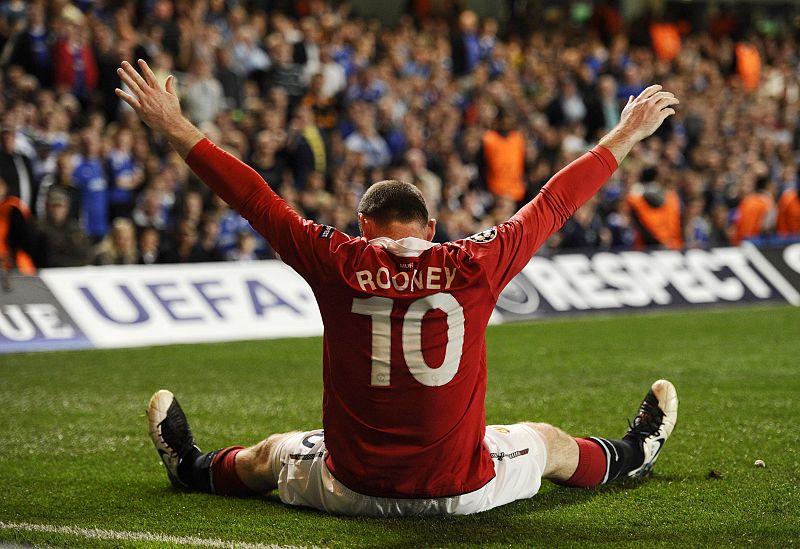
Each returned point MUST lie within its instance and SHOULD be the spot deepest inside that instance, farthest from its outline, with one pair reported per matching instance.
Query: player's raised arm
(294, 238)
(233, 180)
(571, 187)
(576, 183)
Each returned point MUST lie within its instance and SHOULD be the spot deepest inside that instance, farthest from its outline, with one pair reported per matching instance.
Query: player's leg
(595, 460)
(234, 471)
(258, 466)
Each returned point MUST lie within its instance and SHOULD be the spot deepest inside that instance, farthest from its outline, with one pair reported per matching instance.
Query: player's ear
(430, 230)
(362, 223)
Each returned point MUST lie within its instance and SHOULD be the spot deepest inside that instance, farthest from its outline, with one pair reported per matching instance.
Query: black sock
(194, 470)
(623, 456)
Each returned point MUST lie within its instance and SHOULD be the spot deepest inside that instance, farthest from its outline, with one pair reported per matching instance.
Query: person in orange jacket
(656, 213)
(756, 211)
(789, 212)
(503, 159)
(15, 219)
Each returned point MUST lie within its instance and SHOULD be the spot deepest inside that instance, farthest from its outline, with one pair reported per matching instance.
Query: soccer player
(404, 360)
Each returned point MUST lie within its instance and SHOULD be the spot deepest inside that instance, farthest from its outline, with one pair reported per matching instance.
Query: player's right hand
(157, 106)
(645, 113)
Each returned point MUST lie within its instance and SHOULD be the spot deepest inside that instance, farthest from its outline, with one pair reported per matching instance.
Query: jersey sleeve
(505, 250)
(305, 246)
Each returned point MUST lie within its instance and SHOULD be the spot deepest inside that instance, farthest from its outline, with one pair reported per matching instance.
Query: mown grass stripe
(117, 535)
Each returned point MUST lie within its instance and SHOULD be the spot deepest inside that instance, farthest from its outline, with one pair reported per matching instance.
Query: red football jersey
(404, 357)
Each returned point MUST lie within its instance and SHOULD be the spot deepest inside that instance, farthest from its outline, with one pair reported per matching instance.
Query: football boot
(653, 425)
(171, 435)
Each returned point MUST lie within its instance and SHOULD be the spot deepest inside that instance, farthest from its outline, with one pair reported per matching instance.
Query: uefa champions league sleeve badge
(484, 236)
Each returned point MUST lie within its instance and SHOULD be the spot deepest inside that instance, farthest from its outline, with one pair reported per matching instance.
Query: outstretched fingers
(132, 83)
(649, 92)
(170, 85)
(665, 102)
(149, 77)
(664, 114)
(129, 99)
(134, 75)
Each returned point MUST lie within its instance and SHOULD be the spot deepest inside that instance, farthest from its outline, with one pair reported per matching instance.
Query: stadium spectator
(306, 51)
(60, 241)
(125, 175)
(656, 213)
(251, 58)
(31, 50)
(305, 146)
(60, 177)
(204, 95)
(231, 78)
(720, 232)
(209, 238)
(789, 212)
(15, 234)
(73, 58)
(184, 247)
(334, 78)
(284, 73)
(15, 168)
(268, 160)
(399, 444)
(503, 158)
(697, 229)
(118, 247)
(568, 107)
(620, 226)
(365, 140)
(90, 177)
(756, 212)
(245, 249)
(429, 184)
(190, 208)
(465, 44)
(602, 111)
(151, 210)
(323, 105)
(585, 230)
(315, 200)
(149, 242)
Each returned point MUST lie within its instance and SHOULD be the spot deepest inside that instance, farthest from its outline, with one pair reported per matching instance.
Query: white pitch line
(121, 535)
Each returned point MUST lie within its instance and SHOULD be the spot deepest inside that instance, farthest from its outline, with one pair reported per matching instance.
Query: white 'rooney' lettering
(430, 278)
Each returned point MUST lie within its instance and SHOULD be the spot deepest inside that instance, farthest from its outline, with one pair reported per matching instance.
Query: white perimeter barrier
(129, 306)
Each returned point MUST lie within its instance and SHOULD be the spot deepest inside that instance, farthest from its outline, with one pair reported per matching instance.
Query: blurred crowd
(322, 103)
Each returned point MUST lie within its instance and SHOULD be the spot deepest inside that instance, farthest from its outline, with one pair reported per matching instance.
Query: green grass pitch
(74, 450)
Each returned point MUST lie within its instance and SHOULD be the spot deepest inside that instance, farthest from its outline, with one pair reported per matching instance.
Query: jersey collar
(405, 247)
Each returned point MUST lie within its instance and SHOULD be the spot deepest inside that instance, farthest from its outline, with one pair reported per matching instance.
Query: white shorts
(518, 453)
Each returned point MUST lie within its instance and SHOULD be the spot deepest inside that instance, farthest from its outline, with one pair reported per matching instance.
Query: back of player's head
(394, 201)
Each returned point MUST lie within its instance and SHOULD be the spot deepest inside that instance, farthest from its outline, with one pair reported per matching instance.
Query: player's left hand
(645, 113)
(157, 106)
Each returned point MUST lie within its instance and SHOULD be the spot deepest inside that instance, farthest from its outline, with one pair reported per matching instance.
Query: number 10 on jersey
(379, 309)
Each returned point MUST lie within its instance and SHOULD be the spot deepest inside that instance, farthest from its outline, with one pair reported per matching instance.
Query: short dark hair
(390, 200)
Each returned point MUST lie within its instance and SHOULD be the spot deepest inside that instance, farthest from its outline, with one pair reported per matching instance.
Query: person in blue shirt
(465, 44)
(90, 177)
(125, 175)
